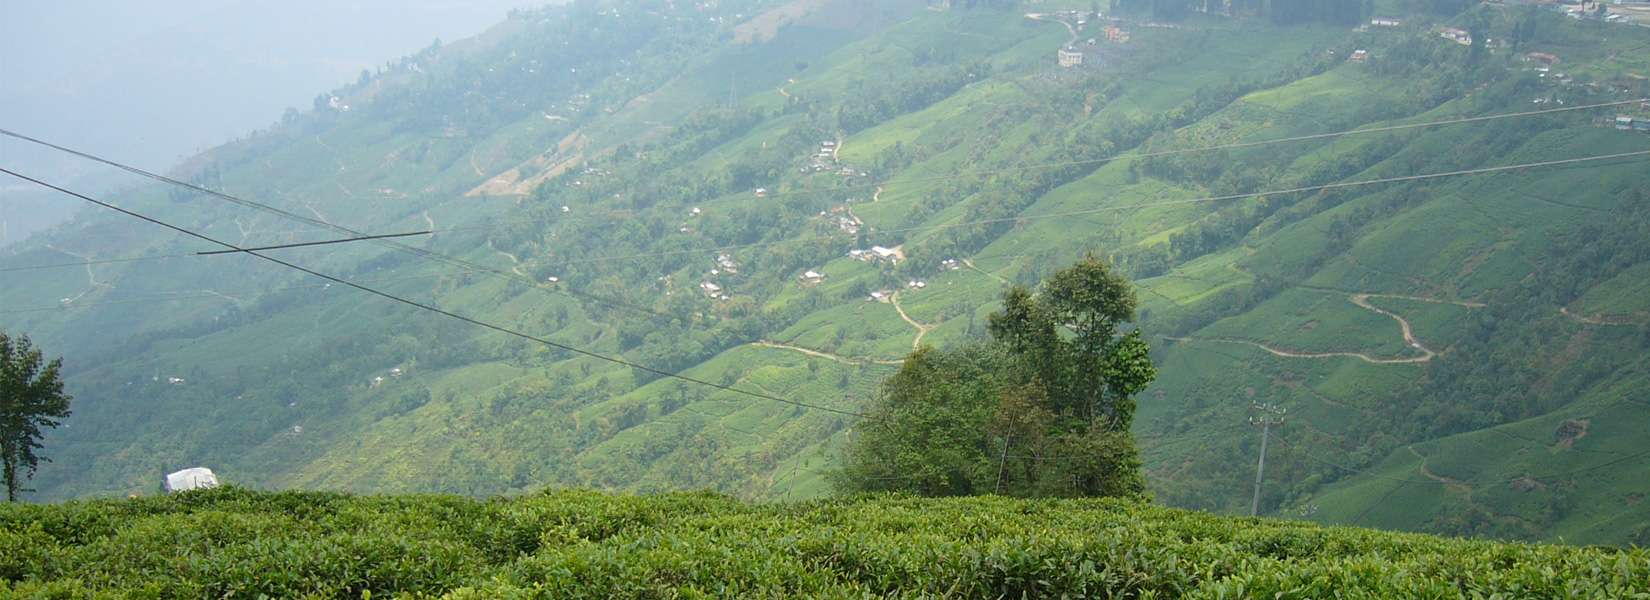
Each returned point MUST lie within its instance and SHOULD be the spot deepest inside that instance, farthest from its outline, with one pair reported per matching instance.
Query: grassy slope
(523, 417)
(231, 542)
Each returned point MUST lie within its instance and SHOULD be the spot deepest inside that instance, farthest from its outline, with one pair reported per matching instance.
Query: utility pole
(1002, 464)
(1269, 415)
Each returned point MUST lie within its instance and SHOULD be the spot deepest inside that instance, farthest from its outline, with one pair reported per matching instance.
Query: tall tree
(31, 399)
(1042, 409)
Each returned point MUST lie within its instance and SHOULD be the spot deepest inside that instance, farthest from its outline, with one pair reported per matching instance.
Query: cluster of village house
(1587, 10)
(589, 173)
(726, 265)
(1543, 61)
(1072, 55)
(692, 214)
(844, 218)
(887, 295)
(825, 160)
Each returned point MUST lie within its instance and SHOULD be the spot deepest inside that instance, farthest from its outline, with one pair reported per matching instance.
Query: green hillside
(618, 147)
(236, 543)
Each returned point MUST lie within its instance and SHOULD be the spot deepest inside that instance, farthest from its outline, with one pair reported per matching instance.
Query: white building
(197, 478)
(1457, 35)
(1069, 57)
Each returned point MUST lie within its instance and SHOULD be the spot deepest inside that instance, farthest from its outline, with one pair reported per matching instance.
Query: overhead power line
(627, 213)
(319, 243)
(104, 261)
(1022, 218)
(203, 293)
(416, 251)
(1232, 146)
(1154, 154)
(1366, 472)
(632, 213)
(432, 308)
(1105, 209)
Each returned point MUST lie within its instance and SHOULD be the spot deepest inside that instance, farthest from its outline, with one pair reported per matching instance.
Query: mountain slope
(535, 152)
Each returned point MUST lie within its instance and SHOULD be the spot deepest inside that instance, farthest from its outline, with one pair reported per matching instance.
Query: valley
(1396, 249)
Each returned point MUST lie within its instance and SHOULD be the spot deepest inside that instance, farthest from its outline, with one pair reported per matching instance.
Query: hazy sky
(149, 82)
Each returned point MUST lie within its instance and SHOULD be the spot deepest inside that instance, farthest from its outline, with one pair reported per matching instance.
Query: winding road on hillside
(1606, 320)
(91, 277)
(1069, 28)
(1449, 483)
(310, 204)
(246, 232)
(922, 330)
(1361, 299)
(515, 262)
(847, 360)
(1291, 354)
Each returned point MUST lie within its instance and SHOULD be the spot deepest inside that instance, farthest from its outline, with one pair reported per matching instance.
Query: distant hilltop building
(1116, 34)
(1541, 57)
(1457, 35)
(1386, 22)
(198, 478)
(1070, 57)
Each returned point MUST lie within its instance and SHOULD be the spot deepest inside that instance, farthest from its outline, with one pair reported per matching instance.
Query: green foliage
(947, 422)
(235, 543)
(632, 112)
(31, 401)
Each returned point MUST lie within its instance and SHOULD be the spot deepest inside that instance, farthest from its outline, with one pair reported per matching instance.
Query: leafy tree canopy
(1042, 408)
(31, 398)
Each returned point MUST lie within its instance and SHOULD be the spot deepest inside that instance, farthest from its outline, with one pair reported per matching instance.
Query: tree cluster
(1042, 408)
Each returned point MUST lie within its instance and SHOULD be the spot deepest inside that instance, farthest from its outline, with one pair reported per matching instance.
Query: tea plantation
(233, 542)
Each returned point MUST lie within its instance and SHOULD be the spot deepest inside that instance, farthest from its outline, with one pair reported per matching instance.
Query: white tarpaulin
(191, 479)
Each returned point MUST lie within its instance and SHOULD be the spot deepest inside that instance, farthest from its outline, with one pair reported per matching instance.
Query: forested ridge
(1459, 354)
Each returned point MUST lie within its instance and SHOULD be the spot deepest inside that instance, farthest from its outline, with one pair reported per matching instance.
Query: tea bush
(237, 543)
